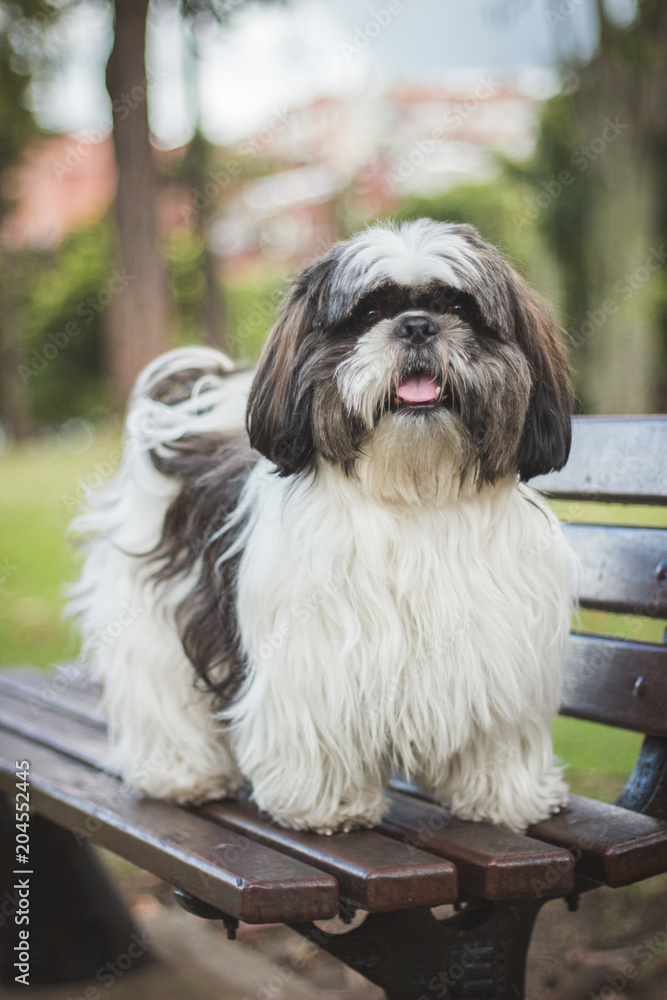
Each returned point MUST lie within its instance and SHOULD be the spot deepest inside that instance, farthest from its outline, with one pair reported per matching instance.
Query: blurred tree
(196, 171)
(19, 22)
(623, 94)
(65, 296)
(600, 198)
(138, 317)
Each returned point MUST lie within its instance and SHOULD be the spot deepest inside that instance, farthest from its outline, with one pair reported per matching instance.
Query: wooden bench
(228, 862)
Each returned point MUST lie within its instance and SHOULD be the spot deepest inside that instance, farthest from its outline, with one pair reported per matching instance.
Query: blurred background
(166, 167)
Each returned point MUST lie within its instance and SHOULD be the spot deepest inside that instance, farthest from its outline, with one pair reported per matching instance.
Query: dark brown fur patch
(212, 470)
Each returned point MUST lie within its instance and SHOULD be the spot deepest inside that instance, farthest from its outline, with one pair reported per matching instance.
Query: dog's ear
(279, 406)
(547, 432)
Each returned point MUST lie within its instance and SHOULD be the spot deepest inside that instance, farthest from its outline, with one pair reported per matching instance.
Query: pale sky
(272, 57)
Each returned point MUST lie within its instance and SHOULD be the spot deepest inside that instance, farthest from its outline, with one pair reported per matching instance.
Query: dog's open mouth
(419, 390)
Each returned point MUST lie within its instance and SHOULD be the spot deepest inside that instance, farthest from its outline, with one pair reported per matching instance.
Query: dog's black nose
(417, 329)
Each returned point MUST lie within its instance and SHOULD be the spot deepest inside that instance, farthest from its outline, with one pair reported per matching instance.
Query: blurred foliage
(560, 222)
(183, 250)
(251, 301)
(253, 304)
(20, 45)
(65, 293)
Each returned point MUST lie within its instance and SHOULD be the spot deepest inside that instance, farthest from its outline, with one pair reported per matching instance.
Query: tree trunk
(138, 314)
(625, 355)
(214, 314)
(14, 371)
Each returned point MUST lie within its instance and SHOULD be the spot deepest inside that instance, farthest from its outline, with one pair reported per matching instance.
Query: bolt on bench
(228, 862)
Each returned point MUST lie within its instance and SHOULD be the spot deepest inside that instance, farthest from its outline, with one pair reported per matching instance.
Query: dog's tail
(186, 393)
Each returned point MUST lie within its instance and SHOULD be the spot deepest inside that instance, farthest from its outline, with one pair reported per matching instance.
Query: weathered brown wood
(227, 870)
(45, 725)
(609, 844)
(617, 683)
(78, 919)
(616, 459)
(63, 689)
(374, 872)
(623, 569)
(493, 862)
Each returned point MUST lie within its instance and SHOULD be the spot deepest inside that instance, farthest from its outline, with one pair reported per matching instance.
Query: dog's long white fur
(427, 637)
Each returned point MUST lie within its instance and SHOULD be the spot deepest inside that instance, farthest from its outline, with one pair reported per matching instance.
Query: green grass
(39, 487)
(639, 515)
(599, 759)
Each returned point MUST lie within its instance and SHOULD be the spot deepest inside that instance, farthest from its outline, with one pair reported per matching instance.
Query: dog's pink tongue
(418, 390)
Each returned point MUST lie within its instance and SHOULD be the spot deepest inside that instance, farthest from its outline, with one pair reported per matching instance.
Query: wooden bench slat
(231, 872)
(56, 689)
(616, 683)
(492, 861)
(623, 569)
(373, 871)
(614, 459)
(487, 873)
(43, 724)
(371, 868)
(610, 844)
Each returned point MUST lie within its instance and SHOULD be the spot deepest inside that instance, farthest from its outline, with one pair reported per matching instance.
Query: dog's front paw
(186, 785)
(515, 804)
(207, 790)
(346, 826)
(345, 819)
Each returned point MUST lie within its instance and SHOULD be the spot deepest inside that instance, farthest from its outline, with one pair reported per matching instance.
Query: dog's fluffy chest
(419, 617)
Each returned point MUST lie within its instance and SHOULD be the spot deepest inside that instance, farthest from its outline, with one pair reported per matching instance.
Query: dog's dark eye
(441, 305)
(370, 315)
(445, 302)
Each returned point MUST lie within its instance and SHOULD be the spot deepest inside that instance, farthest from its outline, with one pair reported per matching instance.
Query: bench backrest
(619, 682)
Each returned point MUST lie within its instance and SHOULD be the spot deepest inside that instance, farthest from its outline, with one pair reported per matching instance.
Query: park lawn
(39, 485)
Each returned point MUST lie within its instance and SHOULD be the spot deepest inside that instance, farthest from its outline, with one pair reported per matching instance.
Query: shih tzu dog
(361, 580)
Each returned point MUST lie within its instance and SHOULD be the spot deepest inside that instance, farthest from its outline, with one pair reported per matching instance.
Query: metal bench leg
(79, 926)
(479, 952)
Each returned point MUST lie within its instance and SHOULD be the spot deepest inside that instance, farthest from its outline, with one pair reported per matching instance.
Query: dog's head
(407, 346)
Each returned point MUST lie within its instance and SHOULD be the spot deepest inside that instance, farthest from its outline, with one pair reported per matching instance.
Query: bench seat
(230, 856)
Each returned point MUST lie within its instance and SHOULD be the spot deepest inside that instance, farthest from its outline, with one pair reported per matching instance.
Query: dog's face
(411, 346)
